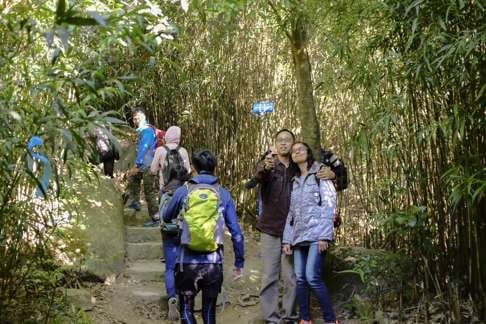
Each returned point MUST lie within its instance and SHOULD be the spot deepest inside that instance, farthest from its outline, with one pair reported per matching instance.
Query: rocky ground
(138, 294)
(133, 289)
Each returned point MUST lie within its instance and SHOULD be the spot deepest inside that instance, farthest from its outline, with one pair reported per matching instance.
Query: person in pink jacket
(171, 162)
(172, 142)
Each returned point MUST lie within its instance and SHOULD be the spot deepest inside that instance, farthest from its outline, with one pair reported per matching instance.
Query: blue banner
(261, 108)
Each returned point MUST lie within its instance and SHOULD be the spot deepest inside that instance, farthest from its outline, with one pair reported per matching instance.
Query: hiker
(172, 162)
(309, 230)
(162, 161)
(200, 262)
(274, 174)
(140, 172)
(106, 149)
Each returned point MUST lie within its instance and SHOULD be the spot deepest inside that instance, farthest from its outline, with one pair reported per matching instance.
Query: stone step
(146, 296)
(144, 251)
(137, 234)
(146, 270)
(134, 218)
(145, 293)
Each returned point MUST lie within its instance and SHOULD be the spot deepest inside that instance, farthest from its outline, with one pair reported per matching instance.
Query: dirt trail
(133, 299)
(138, 294)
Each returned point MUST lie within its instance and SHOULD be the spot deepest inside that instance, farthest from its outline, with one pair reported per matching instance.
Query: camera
(252, 182)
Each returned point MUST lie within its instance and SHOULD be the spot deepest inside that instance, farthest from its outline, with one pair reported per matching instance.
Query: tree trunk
(305, 95)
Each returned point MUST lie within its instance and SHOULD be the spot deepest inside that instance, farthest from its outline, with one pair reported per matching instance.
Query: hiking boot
(173, 314)
(135, 205)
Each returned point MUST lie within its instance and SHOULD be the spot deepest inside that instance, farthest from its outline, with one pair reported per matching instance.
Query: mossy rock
(357, 270)
(81, 298)
(97, 207)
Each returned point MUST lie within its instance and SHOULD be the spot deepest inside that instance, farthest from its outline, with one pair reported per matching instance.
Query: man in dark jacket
(274, 174)
(197, 271)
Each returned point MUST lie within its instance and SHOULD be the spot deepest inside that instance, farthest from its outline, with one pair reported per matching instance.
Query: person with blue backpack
(203, 208)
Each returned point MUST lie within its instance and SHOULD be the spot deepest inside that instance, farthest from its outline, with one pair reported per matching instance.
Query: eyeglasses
(299, 150)
(284, 140)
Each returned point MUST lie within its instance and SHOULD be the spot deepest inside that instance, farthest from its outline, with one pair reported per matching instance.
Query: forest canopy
(396, 88)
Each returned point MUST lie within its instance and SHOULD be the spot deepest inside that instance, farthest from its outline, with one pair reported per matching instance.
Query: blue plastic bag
(261, 108)
(34, 142)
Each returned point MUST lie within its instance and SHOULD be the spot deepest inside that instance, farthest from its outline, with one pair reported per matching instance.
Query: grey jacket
(312, 208)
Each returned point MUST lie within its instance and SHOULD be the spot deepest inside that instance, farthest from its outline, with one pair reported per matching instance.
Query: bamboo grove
(399, 93)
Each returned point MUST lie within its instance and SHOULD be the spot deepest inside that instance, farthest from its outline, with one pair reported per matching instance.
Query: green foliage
(58, 81)
(71, 315)
(467, 183)
(398, 88)
(362, 308)
(387, 278)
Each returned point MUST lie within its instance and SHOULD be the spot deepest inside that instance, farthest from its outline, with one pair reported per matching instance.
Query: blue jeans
(171, 247)
(307, 265)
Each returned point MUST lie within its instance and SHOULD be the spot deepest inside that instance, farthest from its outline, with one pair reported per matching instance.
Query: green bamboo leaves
(69, 15)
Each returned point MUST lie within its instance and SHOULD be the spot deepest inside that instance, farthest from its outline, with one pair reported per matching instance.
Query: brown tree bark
(303, 78)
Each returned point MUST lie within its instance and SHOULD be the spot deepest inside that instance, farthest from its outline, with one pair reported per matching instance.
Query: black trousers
(193, 278)
(108, 163)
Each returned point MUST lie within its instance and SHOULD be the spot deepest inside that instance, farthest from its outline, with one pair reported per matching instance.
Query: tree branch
(279, 19)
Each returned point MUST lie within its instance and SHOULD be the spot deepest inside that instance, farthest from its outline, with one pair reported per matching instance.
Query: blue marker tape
(261, 108)
(36, 141)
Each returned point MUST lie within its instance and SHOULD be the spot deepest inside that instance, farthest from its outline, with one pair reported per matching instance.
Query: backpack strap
(318, 181)
(190, 184)
(178, 147)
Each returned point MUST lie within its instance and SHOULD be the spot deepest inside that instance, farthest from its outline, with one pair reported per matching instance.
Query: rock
(80, 298)
(146, 270)
(136, 234)
(357, 270)
(144, 296)
(98, 210)
(144, 251)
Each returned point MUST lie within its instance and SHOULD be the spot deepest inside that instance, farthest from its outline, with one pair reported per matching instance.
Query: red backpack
(160, 135)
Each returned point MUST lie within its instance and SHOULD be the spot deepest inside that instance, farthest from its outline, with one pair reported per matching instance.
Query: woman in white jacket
(309, 230)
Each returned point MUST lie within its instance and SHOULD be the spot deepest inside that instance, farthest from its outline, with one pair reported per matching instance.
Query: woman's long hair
(310, 156)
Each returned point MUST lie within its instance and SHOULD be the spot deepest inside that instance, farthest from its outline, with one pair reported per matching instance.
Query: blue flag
(261, 108)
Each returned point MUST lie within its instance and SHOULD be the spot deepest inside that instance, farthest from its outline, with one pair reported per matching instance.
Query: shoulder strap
(191, 186)
(168, 149)
(318, 181)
